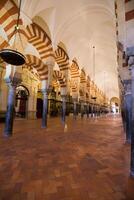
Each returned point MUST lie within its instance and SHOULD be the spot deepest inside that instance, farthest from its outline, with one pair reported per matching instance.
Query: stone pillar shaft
(45, 109)
(10, 112)
(63, 117)
(82, 109)
(92, 110)
(87, 110)
(132, 133)
(128, 114)
(75, 109)
(131, 64)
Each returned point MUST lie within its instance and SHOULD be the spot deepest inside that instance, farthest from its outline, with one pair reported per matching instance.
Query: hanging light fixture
(12, 56)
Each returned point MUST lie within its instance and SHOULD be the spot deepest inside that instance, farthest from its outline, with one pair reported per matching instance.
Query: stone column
(98, 110)
(63, 116)
(92, 110)
(50, 64)
(87, 110)
(75, 107)
(44, 89)
(1, 72)
(13, 79)
(82, 109)
(45, 108)
(131, 64)
(10, 111)
(128, 109)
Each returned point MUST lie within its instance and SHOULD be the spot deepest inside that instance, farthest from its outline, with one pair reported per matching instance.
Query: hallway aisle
(86, 160)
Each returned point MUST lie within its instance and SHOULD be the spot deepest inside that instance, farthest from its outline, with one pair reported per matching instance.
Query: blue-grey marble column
(131, 65)
(98, 110)
(1, 73)
(82, 109)
(45, 108)
(128, 109)
(87, 110)
(92, 110)
(122, 99)
(95, 112)
(63, 116)
(75, 108)
(10, 111)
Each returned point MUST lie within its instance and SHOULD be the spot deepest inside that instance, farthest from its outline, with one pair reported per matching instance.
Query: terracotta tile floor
(85, 160)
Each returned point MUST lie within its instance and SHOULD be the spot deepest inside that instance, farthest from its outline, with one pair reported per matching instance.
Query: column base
(43, 126)
(132, 174)
(128, 141)
(31, 115)
(7, 135)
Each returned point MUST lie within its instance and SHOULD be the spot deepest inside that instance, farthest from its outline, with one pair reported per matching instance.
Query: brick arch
(83, 76)
(59, 77)
(8, 19)
(115, 100)
(33, 32)
(55, 83)
(74, 87)
(81, 93)
(62, 58)
(74, 69)
(40, 40)
(88, 84)
(87, 96)
(35, 62)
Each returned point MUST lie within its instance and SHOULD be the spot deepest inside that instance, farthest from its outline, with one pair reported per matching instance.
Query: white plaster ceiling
(80, 25)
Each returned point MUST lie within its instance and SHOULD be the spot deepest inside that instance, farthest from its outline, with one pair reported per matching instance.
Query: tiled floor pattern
(83, 160)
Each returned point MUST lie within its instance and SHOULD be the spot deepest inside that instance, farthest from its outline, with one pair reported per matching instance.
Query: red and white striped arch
(74, 87)
(82, 76)
(88, 84)
(74, 69)
(35, 62)
(33, 33)
(55, 83)
(40, 40)
(59, 77)
(82, 91)
(62, 58)
(8, 19)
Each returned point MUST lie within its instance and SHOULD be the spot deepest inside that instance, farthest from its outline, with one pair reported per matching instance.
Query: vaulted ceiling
(80, 25)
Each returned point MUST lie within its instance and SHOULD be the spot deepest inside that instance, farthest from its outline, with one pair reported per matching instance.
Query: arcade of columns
(39, 76)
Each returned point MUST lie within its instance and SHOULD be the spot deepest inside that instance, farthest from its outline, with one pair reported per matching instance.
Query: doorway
(21, 102)
(39, 108)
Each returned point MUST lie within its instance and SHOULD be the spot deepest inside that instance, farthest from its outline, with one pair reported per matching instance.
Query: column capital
(130, 55)
(75, 99)
(63, 91)
(13, 82)
(63, 96)
(82, 101)
(127, 87)
(50, 61)
(12, 76)
(131, 61)
(44, 90)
